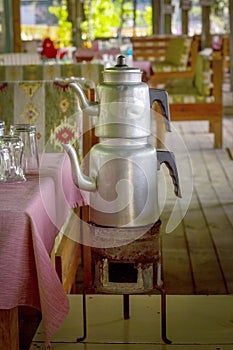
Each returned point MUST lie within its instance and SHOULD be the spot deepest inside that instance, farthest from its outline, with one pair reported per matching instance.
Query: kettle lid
(122, 73)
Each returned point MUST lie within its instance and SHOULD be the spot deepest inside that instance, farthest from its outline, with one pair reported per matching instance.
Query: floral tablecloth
(50, 71)
(51, 106)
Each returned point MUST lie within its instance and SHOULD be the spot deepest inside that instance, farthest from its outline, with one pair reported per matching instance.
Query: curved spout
(80, 180)
(91, 108)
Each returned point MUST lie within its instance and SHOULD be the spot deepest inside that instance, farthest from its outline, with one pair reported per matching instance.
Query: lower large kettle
(123, 181)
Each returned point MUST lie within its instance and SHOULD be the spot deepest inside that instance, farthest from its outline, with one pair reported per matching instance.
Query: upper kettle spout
(91, 108)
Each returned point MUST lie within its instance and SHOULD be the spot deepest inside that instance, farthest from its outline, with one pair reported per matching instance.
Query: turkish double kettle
(123, 165)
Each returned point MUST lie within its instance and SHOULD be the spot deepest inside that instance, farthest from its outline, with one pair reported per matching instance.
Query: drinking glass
(27, 132)
(11, 150)
(2, 128)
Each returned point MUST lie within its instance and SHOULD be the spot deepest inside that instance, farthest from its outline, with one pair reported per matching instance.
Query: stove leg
(126, 306)
(164, 315)
(126, 315)
(84, 319)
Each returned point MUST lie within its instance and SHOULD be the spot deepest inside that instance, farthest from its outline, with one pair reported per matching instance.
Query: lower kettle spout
(80, 180)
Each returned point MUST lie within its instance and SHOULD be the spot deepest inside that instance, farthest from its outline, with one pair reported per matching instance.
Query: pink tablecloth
(82, 54)
(31, 215)
(146, 68)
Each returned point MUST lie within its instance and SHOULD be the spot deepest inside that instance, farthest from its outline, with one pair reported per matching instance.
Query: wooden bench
(67, 253)
(70, 255)
(221, 48)
(224, 52)
(171, 56)
(199, 98)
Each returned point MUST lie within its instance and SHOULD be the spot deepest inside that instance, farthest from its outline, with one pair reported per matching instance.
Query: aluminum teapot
(124, 103)
(123, 166)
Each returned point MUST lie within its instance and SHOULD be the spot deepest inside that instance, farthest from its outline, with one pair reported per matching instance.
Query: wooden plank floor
(198, 254)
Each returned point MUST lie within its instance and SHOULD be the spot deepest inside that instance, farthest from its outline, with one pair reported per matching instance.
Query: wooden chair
(199, 98)
(155, 49)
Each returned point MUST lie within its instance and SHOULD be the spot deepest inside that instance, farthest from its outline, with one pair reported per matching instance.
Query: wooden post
(8, 40)
(206, 40)
(156, 16)
(9, 329)
(206, 26)
(231, 41)
(185, 7)
(134, 17)
(17, 43)
(184, 15)
(168, 10)
(89, 139)
(76, 16)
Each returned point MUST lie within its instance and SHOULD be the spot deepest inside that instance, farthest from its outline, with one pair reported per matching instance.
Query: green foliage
(220, 6)
(148, 18)
(101, 17)
(105, 16)
(220, 21)
(65, 26)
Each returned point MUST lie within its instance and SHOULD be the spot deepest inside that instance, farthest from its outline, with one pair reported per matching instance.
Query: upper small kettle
(124, 103)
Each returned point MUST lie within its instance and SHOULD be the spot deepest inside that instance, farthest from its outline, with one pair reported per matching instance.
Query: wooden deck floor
(197, 256)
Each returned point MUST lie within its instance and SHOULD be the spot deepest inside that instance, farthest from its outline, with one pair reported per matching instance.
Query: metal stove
(133, 268)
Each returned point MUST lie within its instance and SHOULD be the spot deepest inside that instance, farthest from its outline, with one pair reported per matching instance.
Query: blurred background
(70, 22)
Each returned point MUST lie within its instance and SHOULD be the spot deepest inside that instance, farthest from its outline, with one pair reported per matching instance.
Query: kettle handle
(168, 158)
(161, 96)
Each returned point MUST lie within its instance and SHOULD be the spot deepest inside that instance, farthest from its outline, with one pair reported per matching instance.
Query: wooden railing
(14, 59)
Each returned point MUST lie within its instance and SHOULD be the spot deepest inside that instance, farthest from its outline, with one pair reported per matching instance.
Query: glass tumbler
(11, 151)
(27, 132)
(2, 128)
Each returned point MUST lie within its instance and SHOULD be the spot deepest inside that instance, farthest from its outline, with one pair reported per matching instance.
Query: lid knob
(122, 73)
(121, 61)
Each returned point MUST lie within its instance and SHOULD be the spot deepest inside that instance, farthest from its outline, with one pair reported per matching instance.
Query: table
(83, 54)
(31, 215)
(146, 68)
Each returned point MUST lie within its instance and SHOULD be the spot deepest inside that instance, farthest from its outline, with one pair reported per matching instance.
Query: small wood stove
(133, 268)
(130, 268)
